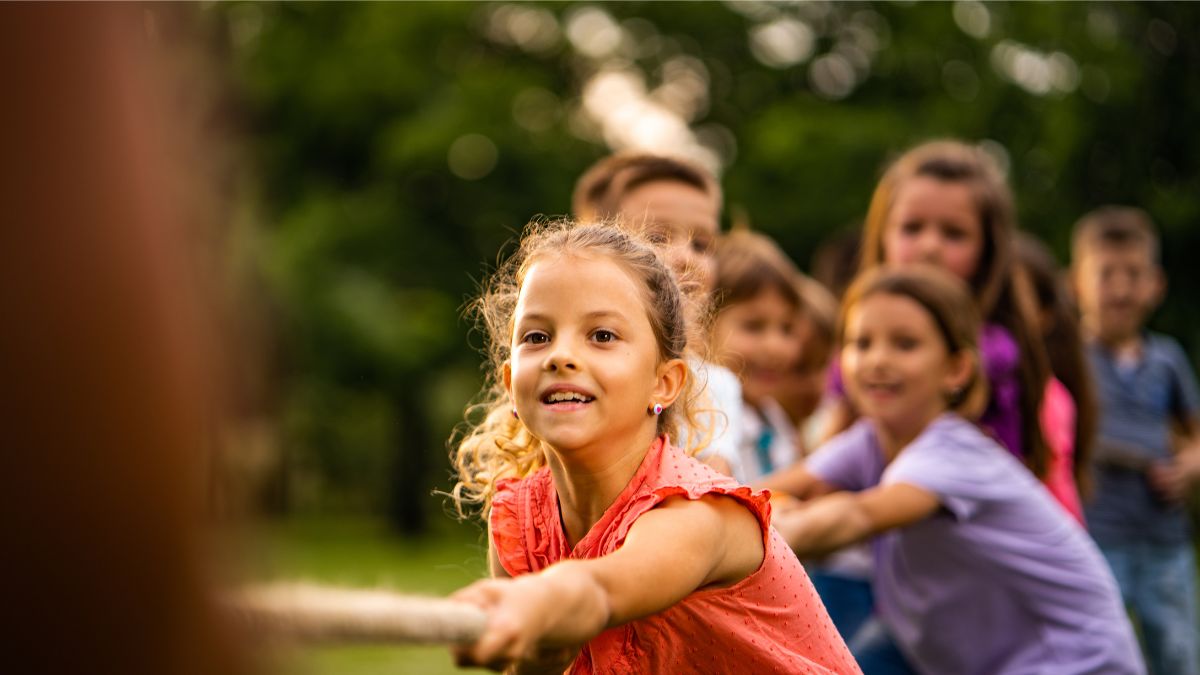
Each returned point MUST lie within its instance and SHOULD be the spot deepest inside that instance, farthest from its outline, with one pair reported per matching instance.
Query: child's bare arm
(669, 552)
(794, 480)
(833, 522)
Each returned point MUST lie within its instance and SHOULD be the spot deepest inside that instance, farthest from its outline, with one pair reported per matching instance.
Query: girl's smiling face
(936, 222)
(757, 339)
(897, 367)
(584, 363)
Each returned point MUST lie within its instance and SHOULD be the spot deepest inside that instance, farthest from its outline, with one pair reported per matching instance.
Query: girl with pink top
(1069, 408)
(610, 549)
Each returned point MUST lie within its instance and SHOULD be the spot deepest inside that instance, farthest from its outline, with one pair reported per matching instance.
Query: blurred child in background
(755, 334)
(946, 203)
(680, 203)
(976, 569)
(1068, 414)
(1145, 386)
(801, 393)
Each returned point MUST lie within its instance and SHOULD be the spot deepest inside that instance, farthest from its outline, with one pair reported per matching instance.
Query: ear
(506, 377)
(958, 375)
(669, 382)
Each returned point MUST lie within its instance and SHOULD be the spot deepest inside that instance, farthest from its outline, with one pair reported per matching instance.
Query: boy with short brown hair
(1145, 387)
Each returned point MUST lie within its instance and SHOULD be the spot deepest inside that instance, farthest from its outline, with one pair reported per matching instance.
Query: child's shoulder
(680, 475)
(1163, 346)
(951, 434)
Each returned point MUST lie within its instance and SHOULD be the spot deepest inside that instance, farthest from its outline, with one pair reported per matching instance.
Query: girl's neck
(589, 480)
(894, 438)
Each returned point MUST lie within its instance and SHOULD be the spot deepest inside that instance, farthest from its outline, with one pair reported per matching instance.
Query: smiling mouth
(881, 389)
(567, 399)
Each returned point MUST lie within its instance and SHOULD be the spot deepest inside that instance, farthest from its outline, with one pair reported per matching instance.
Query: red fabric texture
(770, 622)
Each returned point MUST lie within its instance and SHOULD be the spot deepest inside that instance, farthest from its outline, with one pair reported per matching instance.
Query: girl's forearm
(825, 525)
(576, 604)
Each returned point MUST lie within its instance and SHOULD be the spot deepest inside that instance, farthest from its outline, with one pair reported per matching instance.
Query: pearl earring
(656, 409)
(515, 416)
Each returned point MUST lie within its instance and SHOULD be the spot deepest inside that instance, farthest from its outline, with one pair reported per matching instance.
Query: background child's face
(896, 365)
(936, 222)
(756, 339)
(803, 384)
(581, 328)
(687, 217)
(1117, 288)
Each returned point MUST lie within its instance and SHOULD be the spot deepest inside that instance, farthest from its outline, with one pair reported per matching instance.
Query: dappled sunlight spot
(832, 77)
(684, 88)
(472, 156)
(973, 17)
(782, 43)
(754, 9)
(855, 56)
(530, 28)
(1161, 36)
(1034, 71)
(1103, 27)
(593, 32)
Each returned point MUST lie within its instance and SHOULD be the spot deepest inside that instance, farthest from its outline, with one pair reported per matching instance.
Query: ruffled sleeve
(680, 476)
(504, 527)
(519, 525)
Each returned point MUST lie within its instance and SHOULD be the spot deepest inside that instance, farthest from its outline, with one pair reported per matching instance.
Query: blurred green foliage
(399, 146)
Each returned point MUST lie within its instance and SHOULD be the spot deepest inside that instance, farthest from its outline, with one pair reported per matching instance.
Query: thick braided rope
(307, 613)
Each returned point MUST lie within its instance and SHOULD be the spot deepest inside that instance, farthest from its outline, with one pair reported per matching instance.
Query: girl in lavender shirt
(977, 570)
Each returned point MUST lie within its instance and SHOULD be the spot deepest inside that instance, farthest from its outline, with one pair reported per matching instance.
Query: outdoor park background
(376, 158)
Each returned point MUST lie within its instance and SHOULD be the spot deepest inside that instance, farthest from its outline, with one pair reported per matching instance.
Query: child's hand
(1174, 480)
(512, 629)
(525, 626)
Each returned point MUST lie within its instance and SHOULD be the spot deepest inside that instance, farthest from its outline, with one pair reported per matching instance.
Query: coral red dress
(770, 622)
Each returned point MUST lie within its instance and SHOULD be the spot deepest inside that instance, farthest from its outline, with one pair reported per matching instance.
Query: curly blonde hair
(501, 446)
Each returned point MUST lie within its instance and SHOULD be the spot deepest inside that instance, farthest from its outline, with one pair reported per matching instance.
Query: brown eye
(535, 338)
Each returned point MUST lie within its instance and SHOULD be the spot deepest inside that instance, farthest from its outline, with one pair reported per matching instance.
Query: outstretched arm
(669, 552)
(795, 480)
(835, 521)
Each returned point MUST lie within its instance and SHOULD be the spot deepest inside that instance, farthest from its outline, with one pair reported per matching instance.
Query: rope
(306, 613)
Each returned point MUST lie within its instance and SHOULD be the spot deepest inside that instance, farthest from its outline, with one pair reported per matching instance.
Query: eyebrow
(598, 314)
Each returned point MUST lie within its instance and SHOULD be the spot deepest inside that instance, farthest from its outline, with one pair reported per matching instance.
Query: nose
(782, 347)
(559, 358)
(873, 357)
(930, 245)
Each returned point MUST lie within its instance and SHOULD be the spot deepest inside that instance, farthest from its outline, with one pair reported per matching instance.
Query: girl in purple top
(976, 569)
(946, 203)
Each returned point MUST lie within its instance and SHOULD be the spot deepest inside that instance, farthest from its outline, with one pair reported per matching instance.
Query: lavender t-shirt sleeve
(849, 460)
(952, 460)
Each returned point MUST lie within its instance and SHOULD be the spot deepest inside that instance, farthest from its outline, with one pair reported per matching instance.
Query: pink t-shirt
(1057, 419)
(771, 621)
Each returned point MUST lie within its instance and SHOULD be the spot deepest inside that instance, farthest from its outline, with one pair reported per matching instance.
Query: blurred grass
(362, 552)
